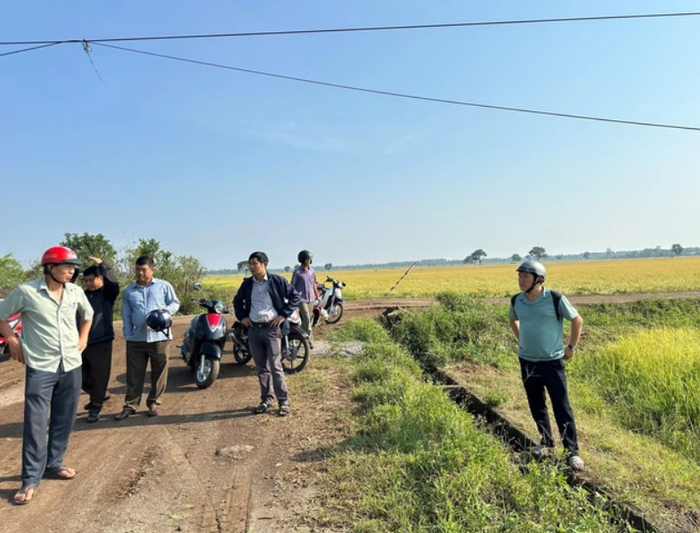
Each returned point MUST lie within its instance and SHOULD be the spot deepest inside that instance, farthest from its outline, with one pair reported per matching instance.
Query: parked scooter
(15, 322)
(295, 344)
(204, 341)
(330, 302)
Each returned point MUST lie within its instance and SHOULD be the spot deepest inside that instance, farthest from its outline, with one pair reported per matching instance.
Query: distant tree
(242, 265)
(587, 255)
(516, 258)
(560, 257)
(608, 252)
(677, 250)
(11, 274)
(538, 253)
(469, 260)
(87, 245)
(328, 266)
(478, 255)
(287, 268)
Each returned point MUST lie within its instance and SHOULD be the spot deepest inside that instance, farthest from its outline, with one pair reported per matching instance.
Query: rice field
(653, 379)
(573, 278)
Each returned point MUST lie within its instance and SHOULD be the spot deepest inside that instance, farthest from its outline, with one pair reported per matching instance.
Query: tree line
(182, 271)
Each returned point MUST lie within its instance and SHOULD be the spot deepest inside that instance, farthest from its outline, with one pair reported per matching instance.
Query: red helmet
(59, 255)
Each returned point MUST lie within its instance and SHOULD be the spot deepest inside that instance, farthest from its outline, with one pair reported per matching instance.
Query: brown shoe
(126, 413)
(154, 410)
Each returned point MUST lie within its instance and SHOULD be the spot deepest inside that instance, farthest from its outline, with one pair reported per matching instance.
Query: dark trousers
(97, 365)
(138, 354)
(58, 393)
(265, 346)
(549, 376)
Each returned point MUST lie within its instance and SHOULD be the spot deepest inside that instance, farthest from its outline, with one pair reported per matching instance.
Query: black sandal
(262, 408)
(24, 491)
(54, 474)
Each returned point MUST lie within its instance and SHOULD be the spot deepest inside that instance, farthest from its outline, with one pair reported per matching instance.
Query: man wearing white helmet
(536, 318)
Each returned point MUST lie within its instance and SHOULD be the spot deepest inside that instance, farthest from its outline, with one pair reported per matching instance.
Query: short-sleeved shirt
(304, 281)
(49, 328)
(541, 334)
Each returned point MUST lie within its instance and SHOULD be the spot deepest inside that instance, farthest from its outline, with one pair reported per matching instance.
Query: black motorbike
(295, 345)
(204, 341)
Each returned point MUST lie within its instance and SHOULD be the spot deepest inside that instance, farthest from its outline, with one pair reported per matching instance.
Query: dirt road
(163, 474)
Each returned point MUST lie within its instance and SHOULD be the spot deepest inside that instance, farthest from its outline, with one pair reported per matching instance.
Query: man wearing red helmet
(50, 347)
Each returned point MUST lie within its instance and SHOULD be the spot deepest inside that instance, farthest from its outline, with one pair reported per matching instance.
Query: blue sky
(217, 164)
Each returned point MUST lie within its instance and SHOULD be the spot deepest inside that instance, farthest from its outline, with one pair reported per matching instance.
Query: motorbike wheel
(332, 319)
(241, 356)
(207, 378)
(298, 355)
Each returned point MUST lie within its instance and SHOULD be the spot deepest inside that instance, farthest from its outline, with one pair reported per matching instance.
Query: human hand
(246, 322)
(568, 353)
(96, 260)
(277, 321)
(16, 351)
(82, 344)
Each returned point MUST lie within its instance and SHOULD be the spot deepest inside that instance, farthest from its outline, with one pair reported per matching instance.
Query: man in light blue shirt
(142, 343)
(537, 320)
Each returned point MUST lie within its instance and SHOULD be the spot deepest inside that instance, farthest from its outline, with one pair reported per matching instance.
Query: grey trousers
(138, 354)
(265, 346)
(306, 313)
(57, 392)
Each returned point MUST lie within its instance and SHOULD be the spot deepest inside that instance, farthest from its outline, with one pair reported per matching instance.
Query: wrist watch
(572, 348)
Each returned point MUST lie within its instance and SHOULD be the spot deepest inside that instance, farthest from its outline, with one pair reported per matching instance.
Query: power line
(405, 95)
(28, 49)
(367, 28)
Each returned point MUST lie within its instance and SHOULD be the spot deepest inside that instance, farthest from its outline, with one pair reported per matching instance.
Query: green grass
(418, 463)
(634, 386)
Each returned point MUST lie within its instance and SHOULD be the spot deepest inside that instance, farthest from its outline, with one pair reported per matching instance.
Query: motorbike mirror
(197, 286)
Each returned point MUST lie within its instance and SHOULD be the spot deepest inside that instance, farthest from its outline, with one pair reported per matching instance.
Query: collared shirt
(304, 281)
(541, 334)
(49, 330)
(261, 308)
(138, 301)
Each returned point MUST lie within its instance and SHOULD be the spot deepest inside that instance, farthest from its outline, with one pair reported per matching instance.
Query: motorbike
(15, 322)
(203, 343)
(330, 303)
(295, 344)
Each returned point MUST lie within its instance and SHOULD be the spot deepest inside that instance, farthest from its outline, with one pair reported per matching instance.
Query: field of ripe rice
(653, 379)
(622, 276)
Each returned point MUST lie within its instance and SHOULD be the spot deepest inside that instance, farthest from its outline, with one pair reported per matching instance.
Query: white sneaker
(540, 451)
(576, 463)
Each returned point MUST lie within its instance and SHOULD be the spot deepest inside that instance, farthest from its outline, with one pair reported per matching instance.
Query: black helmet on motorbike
(160, 320)
(304, 255)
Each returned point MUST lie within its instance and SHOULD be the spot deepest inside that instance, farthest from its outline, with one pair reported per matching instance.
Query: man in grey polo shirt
(142, 343)
(536, 318)
(50, 348)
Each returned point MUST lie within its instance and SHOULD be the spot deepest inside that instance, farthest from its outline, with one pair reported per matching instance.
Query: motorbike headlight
(219, 307)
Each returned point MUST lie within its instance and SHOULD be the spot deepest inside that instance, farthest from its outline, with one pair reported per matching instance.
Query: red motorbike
(15, 322)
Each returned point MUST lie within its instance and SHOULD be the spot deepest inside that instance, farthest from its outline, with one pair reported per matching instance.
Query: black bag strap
(556, 298)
